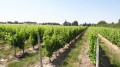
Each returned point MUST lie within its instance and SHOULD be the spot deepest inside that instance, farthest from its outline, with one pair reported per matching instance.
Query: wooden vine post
(97, 53)
(40, 50)
(13, 44)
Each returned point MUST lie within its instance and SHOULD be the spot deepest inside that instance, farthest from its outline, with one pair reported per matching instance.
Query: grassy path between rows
(73, 59)
(112, 56)
(32, 59)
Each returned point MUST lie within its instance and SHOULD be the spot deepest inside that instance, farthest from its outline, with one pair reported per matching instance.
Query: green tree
(15, 22)
(112, 23)
(102, 22)
(9, 22)
(75, 23)
(66, 23)
(119, 21)
(84, 24)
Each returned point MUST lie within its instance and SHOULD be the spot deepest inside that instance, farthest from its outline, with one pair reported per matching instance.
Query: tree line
(16, 22)
(29, 22)
(74, 23)
(66, 23)
(105, 24)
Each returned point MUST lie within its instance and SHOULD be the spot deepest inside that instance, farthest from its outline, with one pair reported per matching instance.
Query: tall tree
(84, 24)
(102, 22)
(15, 22)
(75, 23)
(119, 21)
(66, 23)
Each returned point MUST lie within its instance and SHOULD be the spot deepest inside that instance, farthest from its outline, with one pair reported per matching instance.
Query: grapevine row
(52, 37)
(93, 45)
(112, 34)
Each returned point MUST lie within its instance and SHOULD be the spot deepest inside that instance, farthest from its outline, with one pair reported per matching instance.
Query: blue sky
(89, 11)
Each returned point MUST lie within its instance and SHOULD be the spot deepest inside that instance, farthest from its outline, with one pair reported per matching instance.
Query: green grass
(3, 44)
(30, 59)
(72, 59)
(26, 62)
(113, 56)
(4, 53)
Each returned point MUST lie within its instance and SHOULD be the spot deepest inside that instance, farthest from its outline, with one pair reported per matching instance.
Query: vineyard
(53, 38)
(59, 33)
(111, 34)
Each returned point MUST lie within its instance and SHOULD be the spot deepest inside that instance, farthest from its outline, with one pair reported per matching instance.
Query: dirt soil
(11, 58)
(61, 55)
(56, 58)
(6, 47)
(84, 58)
(110, 44)
(113, 47)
